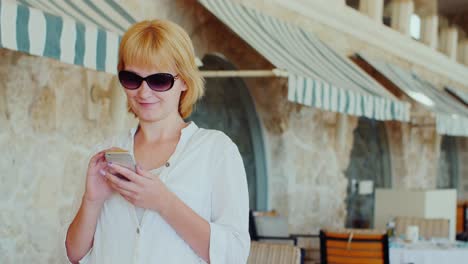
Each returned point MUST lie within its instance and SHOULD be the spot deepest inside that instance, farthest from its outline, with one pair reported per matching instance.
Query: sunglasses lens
(160, 81)
(130, 80)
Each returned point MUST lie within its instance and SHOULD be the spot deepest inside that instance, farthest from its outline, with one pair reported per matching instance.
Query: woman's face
(149, 105)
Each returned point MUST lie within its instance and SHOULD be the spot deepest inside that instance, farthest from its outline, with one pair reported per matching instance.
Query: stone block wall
(46, 139)
(414, 156)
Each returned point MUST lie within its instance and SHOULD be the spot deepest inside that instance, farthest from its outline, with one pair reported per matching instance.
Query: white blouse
(207, 173)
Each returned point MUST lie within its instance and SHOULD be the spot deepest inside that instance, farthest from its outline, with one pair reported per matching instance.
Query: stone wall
(47, 133)
(413, 155)
(306, 179)
(46, 138)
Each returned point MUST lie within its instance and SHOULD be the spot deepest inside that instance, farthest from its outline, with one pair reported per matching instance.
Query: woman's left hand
(142, 190)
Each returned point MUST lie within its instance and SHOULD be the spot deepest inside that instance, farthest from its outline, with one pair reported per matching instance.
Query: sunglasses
(159, 82)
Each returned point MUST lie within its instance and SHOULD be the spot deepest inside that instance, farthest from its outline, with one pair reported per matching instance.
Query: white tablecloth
(428, 256)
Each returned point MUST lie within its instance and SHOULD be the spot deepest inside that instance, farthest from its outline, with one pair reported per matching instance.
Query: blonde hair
(162, 43)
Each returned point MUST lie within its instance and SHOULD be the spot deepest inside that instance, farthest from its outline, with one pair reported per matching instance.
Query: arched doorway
(447, 174)
(227, 106)
(369, 162)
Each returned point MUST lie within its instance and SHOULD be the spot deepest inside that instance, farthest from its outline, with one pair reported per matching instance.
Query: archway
(370, 161)
(228, 106)
(447, 174)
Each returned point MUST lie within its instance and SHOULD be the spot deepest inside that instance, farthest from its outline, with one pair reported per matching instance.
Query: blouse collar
(186, 133)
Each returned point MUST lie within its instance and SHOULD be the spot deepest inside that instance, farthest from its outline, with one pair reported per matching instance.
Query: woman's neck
(167, 129)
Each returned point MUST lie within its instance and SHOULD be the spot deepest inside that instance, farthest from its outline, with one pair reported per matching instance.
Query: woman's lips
(147, 105)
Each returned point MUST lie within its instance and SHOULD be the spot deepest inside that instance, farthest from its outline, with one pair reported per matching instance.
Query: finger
(127, 185)
(95, 159)
(102, 160)
(123, 192)
(111, 170)
(102, 164)
(132, 176)
(119, 181)
(129, 199)
(140, 171)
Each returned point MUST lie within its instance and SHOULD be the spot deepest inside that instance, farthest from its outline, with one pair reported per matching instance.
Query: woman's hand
(97, 188)
(146, 191)
(142, 190)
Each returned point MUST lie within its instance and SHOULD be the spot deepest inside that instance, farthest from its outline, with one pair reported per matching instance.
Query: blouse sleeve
(229, 225)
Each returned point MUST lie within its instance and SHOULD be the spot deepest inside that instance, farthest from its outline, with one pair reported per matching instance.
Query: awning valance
(85, 33)
(317, 76)
(461, 95)
(451, 116)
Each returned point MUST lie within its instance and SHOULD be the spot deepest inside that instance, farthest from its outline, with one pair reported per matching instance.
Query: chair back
(353, 247)
(461, 217)
(270, 227)
(267, 223)
(252, 228)
(274, 254)
(275, 226)
(428, 228)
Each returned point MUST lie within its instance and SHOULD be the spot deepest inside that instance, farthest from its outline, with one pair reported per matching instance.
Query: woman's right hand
(97, 188)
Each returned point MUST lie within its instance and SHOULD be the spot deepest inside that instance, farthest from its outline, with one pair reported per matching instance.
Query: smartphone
(124, 159)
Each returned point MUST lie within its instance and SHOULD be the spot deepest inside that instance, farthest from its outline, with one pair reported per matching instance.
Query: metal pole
(245, 73)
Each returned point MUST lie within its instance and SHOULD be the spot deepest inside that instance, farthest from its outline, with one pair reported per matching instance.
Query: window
(415, 27)
(353, 3)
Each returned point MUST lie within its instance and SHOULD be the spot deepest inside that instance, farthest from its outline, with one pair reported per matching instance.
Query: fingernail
(109, 163)
(102, 172)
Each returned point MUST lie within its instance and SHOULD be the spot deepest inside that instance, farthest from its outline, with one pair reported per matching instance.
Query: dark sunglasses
(159, 82)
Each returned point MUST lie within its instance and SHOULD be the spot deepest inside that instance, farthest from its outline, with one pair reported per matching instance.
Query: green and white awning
(461, 95)
(318, 76)
(451, 115)
(85, 33)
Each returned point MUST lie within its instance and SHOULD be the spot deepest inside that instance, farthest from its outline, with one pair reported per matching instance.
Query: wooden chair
(274, 230)
(428, 228)
(311, 246)
(268, 253)
(353, 247)
(461, 217)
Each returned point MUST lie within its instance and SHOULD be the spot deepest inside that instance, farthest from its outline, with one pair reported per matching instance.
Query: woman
(188, 200)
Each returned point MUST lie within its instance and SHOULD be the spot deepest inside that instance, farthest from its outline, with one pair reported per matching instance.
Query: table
(428, 252)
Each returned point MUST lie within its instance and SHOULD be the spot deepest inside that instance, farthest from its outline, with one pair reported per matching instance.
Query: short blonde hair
(161, 43)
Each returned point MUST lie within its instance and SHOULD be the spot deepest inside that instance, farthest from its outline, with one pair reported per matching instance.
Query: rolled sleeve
(229, 225)
(86, 257)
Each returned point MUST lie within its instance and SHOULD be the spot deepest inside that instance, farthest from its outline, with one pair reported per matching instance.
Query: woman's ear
(184, 86)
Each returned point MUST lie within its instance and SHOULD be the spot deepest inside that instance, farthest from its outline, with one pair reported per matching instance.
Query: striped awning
(85, 33)
(462, 96)
(451, 115)
(318, 76)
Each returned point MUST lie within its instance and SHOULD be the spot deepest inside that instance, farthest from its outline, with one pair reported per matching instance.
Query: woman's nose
(144, 90)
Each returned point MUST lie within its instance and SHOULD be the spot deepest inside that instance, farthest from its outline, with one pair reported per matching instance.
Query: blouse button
(168, 164)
